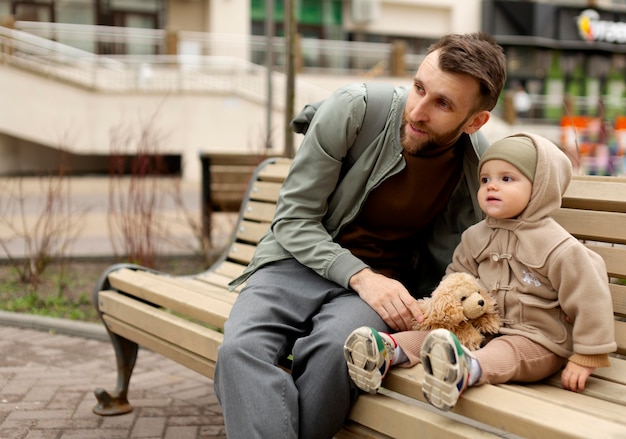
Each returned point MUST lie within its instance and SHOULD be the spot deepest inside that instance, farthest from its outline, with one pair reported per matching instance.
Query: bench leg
(116, 402)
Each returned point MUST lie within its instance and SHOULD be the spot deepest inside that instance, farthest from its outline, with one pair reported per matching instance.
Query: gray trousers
(287, 308)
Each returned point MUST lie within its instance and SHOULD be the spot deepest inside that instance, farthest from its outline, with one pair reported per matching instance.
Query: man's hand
(388, 298)
(574, 376)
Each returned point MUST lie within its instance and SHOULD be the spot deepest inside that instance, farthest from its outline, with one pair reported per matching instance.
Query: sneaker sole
(362, 356)
(443, 369)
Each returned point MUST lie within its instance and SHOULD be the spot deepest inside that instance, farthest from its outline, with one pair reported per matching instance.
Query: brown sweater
(400, 209)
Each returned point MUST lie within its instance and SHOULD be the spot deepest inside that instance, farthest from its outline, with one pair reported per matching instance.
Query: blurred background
(82, 79)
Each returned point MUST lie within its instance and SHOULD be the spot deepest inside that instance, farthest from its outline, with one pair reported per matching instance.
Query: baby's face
(504, 191)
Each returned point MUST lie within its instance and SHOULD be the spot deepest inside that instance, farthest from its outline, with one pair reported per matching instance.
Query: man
(356, 249)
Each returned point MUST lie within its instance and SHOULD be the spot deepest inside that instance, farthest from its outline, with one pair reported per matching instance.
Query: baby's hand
(574, 376)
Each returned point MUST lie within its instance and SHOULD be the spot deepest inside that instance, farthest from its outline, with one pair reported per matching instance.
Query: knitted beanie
(518, 151)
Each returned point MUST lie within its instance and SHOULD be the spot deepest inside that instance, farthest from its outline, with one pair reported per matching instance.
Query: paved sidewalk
(46, 391)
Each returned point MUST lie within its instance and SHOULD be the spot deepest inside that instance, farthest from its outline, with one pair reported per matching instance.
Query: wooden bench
(181, 318)
(225, 178)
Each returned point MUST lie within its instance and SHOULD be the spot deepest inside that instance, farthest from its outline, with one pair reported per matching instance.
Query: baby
(552, 292)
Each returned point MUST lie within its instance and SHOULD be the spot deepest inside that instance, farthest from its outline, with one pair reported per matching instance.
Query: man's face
(439, 108)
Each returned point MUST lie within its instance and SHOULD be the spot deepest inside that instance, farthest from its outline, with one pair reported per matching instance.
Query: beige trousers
(507, 358)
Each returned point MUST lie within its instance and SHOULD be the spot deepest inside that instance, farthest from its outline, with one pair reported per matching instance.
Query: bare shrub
(45, 228)
(140, 187)
(134, 227)
(202, 245)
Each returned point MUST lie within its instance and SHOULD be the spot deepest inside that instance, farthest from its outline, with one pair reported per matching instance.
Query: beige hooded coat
(540, 274)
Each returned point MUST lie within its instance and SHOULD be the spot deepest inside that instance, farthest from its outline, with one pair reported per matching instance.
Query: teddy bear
(463, 306)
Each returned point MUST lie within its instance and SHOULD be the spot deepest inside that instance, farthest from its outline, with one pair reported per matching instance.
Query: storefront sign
(591, 28)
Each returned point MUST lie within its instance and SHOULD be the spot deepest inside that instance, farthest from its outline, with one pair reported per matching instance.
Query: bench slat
(170, 295)
(614, 257)
(229, 159)
(177, 331)
(593, 225)
(241, 252)
(619, 299)
(620, 337)
(601, 393)
(588, 402)
(616, 373)
(275, 171)
(186, 358)
(401, 420)
(516, 413)
(259, 211)
(202, 287)
(265, 191)
(229, 269)
(233, 172)
(218, 281)
(585, 192)
(251, 231)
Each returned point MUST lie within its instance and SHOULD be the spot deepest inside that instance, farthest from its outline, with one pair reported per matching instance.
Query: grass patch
(62, 293)
(52, 306)
(66, 290)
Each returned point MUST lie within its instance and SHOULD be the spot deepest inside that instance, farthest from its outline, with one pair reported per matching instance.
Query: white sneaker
(446, 365)
(368, 354)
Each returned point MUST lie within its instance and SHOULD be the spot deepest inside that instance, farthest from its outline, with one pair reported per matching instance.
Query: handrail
(144, 73)
(328, 56)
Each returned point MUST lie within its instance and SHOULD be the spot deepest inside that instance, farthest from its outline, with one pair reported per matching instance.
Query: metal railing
(315, 56)
(181, 73)
(118, 59)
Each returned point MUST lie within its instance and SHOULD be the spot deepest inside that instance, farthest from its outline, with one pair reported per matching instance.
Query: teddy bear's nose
(481, 302)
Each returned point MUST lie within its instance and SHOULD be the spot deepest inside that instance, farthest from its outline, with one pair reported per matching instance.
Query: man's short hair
(477, 55)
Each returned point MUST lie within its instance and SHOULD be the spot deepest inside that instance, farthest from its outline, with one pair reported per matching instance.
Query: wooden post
(508, 113)
(171, 42)
(398, 64)
(6, 48)
(269, 65)
(206, 207)
(290, 35)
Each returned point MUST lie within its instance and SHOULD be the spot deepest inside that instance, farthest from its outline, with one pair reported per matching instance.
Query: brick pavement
(47, 382)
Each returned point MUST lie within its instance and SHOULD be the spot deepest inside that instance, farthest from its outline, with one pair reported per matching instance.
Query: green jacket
(316, 201)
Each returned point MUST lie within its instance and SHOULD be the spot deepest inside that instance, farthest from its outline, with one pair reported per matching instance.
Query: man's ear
(477, 121)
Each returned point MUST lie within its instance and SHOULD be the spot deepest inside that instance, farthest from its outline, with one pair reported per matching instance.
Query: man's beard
(435, 140)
